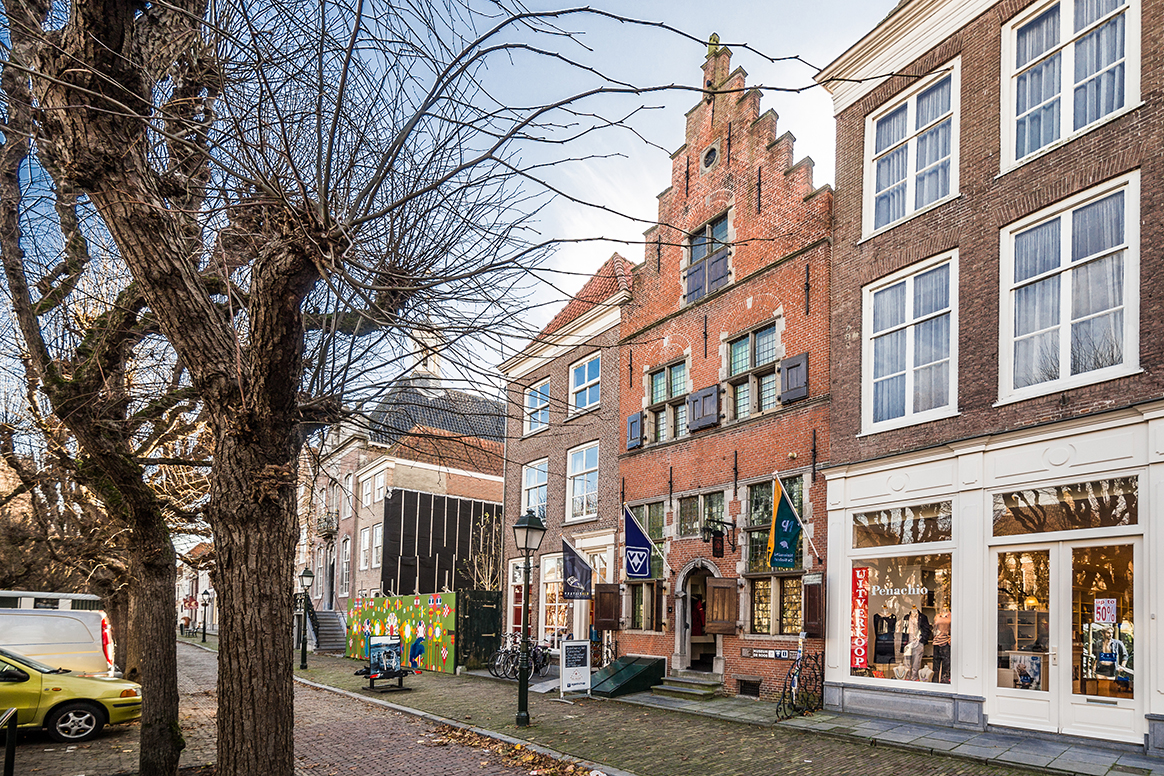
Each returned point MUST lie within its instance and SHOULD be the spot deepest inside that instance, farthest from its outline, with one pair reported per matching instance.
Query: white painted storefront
(1027, 559)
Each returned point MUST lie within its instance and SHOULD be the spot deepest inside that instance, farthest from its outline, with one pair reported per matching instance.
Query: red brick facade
(777, 227)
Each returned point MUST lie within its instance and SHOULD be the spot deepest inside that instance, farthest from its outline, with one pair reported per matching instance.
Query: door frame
(1057, 709)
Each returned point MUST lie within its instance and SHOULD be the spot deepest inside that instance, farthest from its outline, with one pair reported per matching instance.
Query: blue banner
(637, 554)
(576, 574)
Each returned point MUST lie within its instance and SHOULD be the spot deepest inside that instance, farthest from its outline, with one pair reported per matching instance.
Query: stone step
(687, 693)
(706, 676)
(693, 682)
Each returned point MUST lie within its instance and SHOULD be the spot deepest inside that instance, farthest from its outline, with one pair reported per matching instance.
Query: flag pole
(803, 528)
(627, 511)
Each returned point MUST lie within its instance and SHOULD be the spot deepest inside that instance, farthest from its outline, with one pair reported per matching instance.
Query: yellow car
(71, 708)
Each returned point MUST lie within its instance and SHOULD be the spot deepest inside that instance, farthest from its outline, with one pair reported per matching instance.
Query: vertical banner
(637, 553)
(576, 574)
(859, 629)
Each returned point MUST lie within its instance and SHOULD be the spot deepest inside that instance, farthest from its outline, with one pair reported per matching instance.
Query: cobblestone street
(333, 734)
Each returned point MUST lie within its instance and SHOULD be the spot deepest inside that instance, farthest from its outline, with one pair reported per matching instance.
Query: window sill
(867, 236)
(535, 432)
(1067, 384)
(769, 638)
(579, 520)
(1052, 147)
(582, 412)
(774, 573)
(910, 420)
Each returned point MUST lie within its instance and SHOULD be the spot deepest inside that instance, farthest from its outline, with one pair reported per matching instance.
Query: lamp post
(305, 580)
(205, 606)
(527, 535)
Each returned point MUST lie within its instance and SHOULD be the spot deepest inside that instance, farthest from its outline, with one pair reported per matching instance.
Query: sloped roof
(611, 278)
(419, 401)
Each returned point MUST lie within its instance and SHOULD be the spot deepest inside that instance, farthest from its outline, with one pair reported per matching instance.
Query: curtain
(931, 291)
(891, 129)
(889, 359)
(1097, 227)
(1087, 11)
(1036, 250)
(1037, 106)
(933, 165)
(1037, 37)
(1097, 291)
(1099, 87)
(933, 103)
(931, 378)
(889, 204)
(889, 307)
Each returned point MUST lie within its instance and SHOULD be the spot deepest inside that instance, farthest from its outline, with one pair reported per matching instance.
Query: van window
(9, 602)
(45, 630)
(45, 603)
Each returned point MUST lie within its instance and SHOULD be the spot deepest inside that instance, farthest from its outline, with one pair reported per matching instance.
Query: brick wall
(971, 223)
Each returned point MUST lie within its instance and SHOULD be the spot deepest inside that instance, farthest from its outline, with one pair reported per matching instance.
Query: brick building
(997, 339)
(724, 381)
(561, 453)
(420, 443)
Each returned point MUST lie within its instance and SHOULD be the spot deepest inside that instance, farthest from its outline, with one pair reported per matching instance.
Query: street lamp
(205, 606)
(527, 535)
(305, 580)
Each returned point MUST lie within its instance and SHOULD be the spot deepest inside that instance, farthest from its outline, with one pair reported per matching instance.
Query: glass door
(1065, 639)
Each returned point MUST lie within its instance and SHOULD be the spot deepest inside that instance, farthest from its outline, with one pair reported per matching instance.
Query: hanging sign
(1105, 610)
(859, 628)
(575, 667)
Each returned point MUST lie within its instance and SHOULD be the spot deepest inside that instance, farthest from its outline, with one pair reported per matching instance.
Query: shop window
(777, 605)
(1100, 504)
(900, 625)
(776, 598)
(667, 409)
(693, 510)
(555, 619)
(752, 377)
(646, 606)
(707, 267)
(903, 525)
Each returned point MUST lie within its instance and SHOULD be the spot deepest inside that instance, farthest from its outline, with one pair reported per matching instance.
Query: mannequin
(884, 627)
(1112, 656)
(942, 646)
(915, 632)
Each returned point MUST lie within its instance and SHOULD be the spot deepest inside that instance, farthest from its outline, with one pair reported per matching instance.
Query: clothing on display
(885, 630)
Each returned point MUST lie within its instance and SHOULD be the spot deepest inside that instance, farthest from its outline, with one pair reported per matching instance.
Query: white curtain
(931, 291)
(1037, 106)
(889, 307)
(1099, 87)
(1097, 331)
(1037, 250)
(933, 103)
(1037, 36)
(889, 392)
(1097, 227)
(889, 204)
(1087, 11)
(933, 165)
(891, 129)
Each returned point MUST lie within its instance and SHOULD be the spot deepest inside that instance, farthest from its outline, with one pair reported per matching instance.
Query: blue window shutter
(717, 269)
(703, 408)
(695, 278)
(794, 378)
(634, 431)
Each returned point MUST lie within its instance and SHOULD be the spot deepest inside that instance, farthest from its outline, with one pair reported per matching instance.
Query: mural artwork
(424, 624)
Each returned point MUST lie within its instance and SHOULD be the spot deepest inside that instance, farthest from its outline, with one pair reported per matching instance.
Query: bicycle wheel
(495, 662)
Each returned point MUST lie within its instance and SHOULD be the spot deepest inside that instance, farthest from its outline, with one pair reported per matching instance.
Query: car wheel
(74, 722)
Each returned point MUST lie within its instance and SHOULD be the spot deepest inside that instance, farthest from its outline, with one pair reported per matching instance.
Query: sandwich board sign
(574, 667)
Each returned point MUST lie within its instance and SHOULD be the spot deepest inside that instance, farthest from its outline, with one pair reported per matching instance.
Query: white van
(78, 640)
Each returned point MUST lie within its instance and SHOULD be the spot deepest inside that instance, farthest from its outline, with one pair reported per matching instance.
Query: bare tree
(292, 188)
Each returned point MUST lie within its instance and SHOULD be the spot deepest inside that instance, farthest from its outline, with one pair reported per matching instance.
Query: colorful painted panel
(425, 625)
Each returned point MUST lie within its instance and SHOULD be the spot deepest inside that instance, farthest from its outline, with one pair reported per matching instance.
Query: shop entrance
(1067, 619)
(701, 644)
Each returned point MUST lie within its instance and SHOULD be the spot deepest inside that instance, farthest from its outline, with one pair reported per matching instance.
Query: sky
(817, 32)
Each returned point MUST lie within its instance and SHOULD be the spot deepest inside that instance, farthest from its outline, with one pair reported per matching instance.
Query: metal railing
(327, 524)
(8, 721)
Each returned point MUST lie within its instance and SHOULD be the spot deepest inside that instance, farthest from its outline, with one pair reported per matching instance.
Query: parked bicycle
(803, 689)
(505, 662)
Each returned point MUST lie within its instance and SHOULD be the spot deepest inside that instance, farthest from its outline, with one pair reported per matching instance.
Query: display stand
(573, 669)
(384, 662)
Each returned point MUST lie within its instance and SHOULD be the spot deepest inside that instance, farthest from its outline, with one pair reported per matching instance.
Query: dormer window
(708, 269)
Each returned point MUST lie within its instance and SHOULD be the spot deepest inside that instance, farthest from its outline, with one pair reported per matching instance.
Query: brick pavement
(333, 734)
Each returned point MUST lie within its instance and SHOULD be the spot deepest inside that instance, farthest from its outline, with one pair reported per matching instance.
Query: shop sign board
(1105, 611)
(574, 668)
(769, 654)
(859, 628)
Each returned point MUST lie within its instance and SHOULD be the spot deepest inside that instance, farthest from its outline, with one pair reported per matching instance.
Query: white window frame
(346, 498)
(586, 385)
(366, 492)
(953, 69)
(542, 466)
(570, 482)
(377, 544)
(950, 409)
(365, 548)
(381, 480)
(345, 566)
(548, 562)
(1066, 107)
(529, 410)
(1130, 185)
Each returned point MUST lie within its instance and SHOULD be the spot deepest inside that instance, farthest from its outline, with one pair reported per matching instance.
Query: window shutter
(723, 603)
(606, 607)
(695, 278)
(717, 269)
(794, 378)
(657, 624)
(634, 431)
(703, 408)
(814, 605)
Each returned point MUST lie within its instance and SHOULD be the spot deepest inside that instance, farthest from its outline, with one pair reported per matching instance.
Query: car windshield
(33, 664)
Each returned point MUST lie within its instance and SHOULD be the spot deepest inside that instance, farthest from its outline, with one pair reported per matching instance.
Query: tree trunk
(252, 513)
(152, 646)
